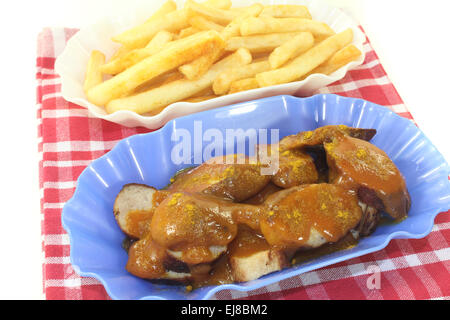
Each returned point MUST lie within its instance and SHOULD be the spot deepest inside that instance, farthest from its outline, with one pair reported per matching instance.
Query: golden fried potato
(224, 80)
(140, 35)
(201, 23)
(219, 16)
(129, 59)
(286, 11)
(166, 8)
(233, 29)
(243, 84)
(171, 57)
(200, 99)
(159, 41)
(219, 4)
(177, 90)
(260, 43)
(120, 52)
(265, 24)
(290, 49)
(93, 74)
(206, 48)
(200, 66)
(186, 32)
(307, 61)
(338, 60)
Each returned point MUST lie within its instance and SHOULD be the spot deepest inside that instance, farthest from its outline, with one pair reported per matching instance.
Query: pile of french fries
(205, 50)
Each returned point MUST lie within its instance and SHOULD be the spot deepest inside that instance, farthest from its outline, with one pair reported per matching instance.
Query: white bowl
(71, 64)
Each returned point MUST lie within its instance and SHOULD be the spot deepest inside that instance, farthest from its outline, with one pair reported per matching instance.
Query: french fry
(162, 80)
(154, 112)
(224, 80)
(120, 52)
(338, 60)
(155, 82)
(200, 66)
(200, 99)
(286, 11)
(188, 32)
(261, 56)
(319, 39)
(202, 23)
(307, 61)
(118, 65)
(265, 24)
(243, 84)
(159, 40)
(219, 4)
(129, 59)
(290, 49)
(166, 8)
(254, 10)
(140, 35)
(233, 28)
(259, 43)
(93, 74)
(219, 16)
(238, 9)
(208, 49)
(171, 57)
(177, 90)
(205, 92)
(172, 77)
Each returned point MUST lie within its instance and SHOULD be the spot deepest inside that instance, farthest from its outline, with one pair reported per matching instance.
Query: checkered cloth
(69, 139)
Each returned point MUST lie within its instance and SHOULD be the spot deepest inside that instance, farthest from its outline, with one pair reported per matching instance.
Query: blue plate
(96, 239)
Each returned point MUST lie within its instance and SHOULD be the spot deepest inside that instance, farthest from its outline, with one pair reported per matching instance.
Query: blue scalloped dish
(96, 239)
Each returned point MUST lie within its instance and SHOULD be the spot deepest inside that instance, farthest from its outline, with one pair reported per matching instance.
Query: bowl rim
(274, 277)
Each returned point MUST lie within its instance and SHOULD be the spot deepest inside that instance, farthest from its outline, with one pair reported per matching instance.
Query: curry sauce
(354, 163)
(214, 221)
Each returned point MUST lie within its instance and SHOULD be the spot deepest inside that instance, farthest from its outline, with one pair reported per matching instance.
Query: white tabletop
(409, 37)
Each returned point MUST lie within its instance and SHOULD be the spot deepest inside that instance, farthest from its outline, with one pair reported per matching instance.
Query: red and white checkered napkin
(69, 140)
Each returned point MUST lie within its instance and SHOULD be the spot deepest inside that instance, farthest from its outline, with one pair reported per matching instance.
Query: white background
(410, 37)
